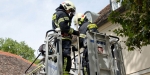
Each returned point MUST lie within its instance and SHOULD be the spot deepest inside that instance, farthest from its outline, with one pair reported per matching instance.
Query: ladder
(109, 62)
(37, 70)
(75, 64)
(53, 62)
(119, 68)
(104, 63)
(53, 55)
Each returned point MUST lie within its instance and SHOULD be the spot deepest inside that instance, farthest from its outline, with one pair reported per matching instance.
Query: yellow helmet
(68, 5)
(78, 18)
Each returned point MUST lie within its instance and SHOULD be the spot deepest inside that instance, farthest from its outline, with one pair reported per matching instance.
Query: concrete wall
(136, 63)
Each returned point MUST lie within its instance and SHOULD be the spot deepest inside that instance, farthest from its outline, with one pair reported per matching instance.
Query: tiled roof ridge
(103, 14)
(16, 56)
(105, 8)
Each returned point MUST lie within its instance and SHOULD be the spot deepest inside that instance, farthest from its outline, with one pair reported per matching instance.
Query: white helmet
(68, 5)
(78, 18)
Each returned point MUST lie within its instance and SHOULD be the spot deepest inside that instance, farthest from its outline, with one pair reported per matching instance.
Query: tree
(135, 23)
(1, 43)
(18, 48)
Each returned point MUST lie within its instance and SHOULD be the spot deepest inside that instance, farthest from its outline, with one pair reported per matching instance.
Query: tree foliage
(18, 48)
(135, 23)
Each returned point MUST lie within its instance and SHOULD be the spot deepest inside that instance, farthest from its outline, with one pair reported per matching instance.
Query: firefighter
(84, 26)
(62, 19)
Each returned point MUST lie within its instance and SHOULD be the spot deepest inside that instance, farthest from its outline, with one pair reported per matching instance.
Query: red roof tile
(11, 64)
(103, 14)
(16, 56)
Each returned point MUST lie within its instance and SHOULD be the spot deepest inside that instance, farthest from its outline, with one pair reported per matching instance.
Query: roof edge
(16, 56)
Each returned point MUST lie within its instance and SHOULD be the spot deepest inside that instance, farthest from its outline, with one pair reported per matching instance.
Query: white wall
(134, 61)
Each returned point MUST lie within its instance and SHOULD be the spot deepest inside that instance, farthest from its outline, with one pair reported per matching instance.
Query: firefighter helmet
(68, 5)
(78, 18)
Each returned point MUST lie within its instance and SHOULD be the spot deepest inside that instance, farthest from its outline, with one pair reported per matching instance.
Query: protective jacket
(62, 20)
(86, 25)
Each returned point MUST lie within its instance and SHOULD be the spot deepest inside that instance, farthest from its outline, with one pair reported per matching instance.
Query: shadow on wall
(134, 61)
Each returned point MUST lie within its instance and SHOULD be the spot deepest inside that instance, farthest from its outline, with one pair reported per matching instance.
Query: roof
(104, 13)
(11, 64)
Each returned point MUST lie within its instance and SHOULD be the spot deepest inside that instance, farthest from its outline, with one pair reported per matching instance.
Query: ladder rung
(35, 70)
(52, 55)
(104, 69)
(118, 60)
(103, 54)
(101, 40)
(76, 69)
(42, 72)
(74, 62)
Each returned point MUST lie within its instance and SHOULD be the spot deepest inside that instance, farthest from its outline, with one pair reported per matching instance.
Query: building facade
(136, 62)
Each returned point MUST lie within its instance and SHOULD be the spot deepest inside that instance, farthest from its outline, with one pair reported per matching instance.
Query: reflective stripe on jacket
(61, 20)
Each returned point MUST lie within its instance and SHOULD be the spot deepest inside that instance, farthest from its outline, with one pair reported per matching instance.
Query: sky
(28, 20)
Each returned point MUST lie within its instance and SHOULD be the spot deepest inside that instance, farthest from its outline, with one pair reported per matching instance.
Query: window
(115, 4)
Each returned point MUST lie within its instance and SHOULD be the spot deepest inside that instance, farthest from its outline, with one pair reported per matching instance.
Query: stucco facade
(136, 62)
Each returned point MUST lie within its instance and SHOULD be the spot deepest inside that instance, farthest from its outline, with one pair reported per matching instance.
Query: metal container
(92, 16)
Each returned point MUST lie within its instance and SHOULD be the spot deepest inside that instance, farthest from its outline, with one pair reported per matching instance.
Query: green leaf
(135, 23)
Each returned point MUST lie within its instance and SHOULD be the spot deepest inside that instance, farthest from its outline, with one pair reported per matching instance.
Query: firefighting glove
(76, 32)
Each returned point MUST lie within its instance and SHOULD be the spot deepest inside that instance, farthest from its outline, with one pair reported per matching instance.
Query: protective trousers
(85, 61)
(66, 44)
